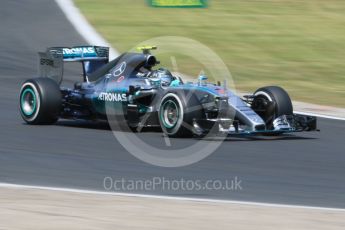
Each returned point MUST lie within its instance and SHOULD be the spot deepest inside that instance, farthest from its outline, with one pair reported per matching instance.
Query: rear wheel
(40, 101)
(271, 102)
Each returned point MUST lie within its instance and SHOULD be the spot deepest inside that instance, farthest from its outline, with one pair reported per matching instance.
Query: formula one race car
(142, 96)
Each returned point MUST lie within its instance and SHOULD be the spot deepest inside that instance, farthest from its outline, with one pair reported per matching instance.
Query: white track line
(83, 27)
(92, 192)
(320, 115)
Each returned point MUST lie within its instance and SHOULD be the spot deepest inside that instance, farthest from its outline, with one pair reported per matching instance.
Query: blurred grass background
(299, 45)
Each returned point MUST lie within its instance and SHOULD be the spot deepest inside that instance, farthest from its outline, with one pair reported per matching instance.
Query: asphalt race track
(303, 169)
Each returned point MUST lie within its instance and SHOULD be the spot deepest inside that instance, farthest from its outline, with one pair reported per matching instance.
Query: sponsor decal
(119, 69)
(45, 61)
(221, 91)
(120, 79)
(112, 97)
(178, 3)
(79, 52)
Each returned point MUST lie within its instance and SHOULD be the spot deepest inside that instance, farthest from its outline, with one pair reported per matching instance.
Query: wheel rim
(28, 102)
(169, 114)
(267, 117)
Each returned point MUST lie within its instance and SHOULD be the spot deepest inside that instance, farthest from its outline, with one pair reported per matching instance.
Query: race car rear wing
(51, 61)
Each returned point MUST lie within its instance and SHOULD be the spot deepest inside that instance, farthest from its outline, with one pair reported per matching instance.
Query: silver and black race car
(130, 90)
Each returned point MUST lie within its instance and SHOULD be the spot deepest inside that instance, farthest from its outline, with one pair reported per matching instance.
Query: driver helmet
(164, 75)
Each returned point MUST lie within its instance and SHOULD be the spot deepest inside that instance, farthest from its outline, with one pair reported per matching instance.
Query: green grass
(299, 45)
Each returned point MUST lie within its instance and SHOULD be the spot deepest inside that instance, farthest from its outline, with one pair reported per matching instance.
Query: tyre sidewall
(48, 96)
(283, 104)
(33, 117)
(175, 129)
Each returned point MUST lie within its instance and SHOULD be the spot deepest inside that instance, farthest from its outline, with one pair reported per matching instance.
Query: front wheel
(40, 101)
(271, 102)
(176, 114)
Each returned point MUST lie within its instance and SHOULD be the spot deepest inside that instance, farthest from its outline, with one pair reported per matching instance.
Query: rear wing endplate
(51, 61)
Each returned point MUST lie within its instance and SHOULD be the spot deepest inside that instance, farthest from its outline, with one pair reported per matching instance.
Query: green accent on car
(142, 108)
(34, 102)
(166, 125)
(175, 83)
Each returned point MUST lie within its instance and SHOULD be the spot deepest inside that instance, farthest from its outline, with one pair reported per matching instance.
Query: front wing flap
(282, 124)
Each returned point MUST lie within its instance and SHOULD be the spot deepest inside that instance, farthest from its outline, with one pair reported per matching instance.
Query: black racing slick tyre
(177, 112)
(272, 102)
(40, 101)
